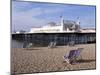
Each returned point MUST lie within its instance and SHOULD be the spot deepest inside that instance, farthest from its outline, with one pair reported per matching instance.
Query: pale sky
(26, 15)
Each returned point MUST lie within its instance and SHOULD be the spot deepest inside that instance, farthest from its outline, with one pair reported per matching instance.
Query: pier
(44, 39)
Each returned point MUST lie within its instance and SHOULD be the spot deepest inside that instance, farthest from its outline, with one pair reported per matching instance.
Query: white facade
(65, 26)
(45, 29)
(88, 30)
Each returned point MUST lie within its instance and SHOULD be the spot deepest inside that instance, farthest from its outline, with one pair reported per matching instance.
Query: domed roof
(51, 24)
(69, 22)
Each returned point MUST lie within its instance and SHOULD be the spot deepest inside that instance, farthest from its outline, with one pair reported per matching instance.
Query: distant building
(64, 26)
(21, 31)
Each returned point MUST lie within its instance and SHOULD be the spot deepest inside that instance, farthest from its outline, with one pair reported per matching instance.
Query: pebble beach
(44, 59)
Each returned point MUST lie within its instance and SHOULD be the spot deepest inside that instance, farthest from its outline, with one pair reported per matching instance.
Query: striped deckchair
(74, 56)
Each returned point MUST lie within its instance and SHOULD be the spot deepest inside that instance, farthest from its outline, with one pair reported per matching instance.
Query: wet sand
(44, 59)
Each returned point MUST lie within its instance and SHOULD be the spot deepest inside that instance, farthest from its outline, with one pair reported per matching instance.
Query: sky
(26, 15)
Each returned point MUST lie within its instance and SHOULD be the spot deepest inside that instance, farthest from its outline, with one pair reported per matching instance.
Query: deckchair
(30, 45)
(52, 45)
(74, 56)
(71, 43)
(27, 45)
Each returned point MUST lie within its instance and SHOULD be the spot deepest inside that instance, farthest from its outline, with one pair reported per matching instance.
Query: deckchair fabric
(73, 54)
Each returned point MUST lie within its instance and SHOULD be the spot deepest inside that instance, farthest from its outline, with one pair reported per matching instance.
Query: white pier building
(65, 26)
